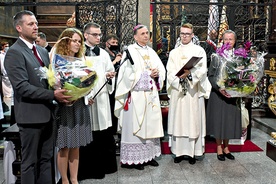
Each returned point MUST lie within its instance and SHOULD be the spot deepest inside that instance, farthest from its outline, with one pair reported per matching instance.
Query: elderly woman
(223, 113)
(72, 120)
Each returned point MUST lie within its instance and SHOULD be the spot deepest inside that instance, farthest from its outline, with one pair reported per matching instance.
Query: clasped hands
(154, 73)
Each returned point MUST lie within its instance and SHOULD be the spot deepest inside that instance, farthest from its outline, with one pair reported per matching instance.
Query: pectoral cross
(146, 57)
(183, 57)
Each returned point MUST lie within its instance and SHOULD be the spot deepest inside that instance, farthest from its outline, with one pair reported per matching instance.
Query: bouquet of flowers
(70, 73)
(240, 72)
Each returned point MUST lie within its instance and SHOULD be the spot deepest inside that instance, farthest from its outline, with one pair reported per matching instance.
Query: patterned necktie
(37, 57)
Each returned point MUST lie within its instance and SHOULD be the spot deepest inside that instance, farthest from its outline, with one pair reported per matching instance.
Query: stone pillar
(144, 12)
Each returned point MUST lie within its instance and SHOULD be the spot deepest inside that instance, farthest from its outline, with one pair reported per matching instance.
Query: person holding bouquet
(33, 100)
(72, 119)
(223, 112)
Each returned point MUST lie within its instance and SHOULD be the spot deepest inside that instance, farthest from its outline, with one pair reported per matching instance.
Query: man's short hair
(3, 43)
(111, 36)
(17, 19)
(89, 25)
(188, 25)
(42, 35)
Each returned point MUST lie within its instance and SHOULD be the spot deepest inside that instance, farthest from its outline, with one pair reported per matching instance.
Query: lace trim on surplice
(138, 153)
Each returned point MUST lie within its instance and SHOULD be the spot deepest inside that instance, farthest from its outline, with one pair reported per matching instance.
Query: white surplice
(186, 118)
(140, 125)
(6, 84)
(8, 159)
(100, 111)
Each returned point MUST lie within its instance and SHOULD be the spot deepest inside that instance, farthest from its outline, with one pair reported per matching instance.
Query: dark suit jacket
(32, 98)
(48, 48)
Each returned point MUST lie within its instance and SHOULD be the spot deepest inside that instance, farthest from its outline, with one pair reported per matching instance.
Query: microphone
(128, 56)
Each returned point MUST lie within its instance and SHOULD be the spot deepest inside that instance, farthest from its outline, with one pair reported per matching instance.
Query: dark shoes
(192, 160)
(133, 166)
(140, 166)
(229, 156)
(152, 163)
(221, 157)
(178, 159)
(126, 166)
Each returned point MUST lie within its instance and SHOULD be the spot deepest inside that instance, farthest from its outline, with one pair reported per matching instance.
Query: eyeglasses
(95, 35)
(75, 41)
(185, 34)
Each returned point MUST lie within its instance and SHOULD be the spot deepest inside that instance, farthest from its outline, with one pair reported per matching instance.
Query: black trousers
(37, 153)
(99, 157)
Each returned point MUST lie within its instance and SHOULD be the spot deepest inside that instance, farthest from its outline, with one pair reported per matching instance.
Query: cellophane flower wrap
(238, 73)
(72, 74)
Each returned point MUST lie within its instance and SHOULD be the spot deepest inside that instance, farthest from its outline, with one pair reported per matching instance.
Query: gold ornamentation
(273, 135)
(183, 57)
(272, 99)
(272, 89)
(146, 57)
(71, 22)
(272, 66)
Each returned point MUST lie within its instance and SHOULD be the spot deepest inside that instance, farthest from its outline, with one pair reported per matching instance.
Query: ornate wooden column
(270, 66)
(271, 44)
(273, 24)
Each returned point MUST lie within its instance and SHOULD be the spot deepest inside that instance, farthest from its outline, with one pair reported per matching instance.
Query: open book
(190, 64)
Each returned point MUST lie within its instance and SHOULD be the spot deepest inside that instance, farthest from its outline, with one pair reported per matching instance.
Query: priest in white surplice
(137, 103)
(186, 118)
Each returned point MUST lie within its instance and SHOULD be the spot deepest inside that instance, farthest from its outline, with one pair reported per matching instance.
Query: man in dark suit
(32, 101)
(42, 41)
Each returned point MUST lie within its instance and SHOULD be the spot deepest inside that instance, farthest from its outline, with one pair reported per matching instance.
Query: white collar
(188, 44)
(143, 47)
(27, 43)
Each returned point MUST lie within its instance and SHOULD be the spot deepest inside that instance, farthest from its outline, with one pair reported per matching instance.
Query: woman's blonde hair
(62, 46)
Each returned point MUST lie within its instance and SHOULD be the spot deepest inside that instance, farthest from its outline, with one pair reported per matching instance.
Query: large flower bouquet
(239, 72)
(70, 73)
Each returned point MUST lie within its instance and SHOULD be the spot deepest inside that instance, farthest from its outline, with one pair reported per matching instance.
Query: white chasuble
(147, 116)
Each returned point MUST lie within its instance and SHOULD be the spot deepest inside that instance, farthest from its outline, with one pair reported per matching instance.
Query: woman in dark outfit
(223, 112)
